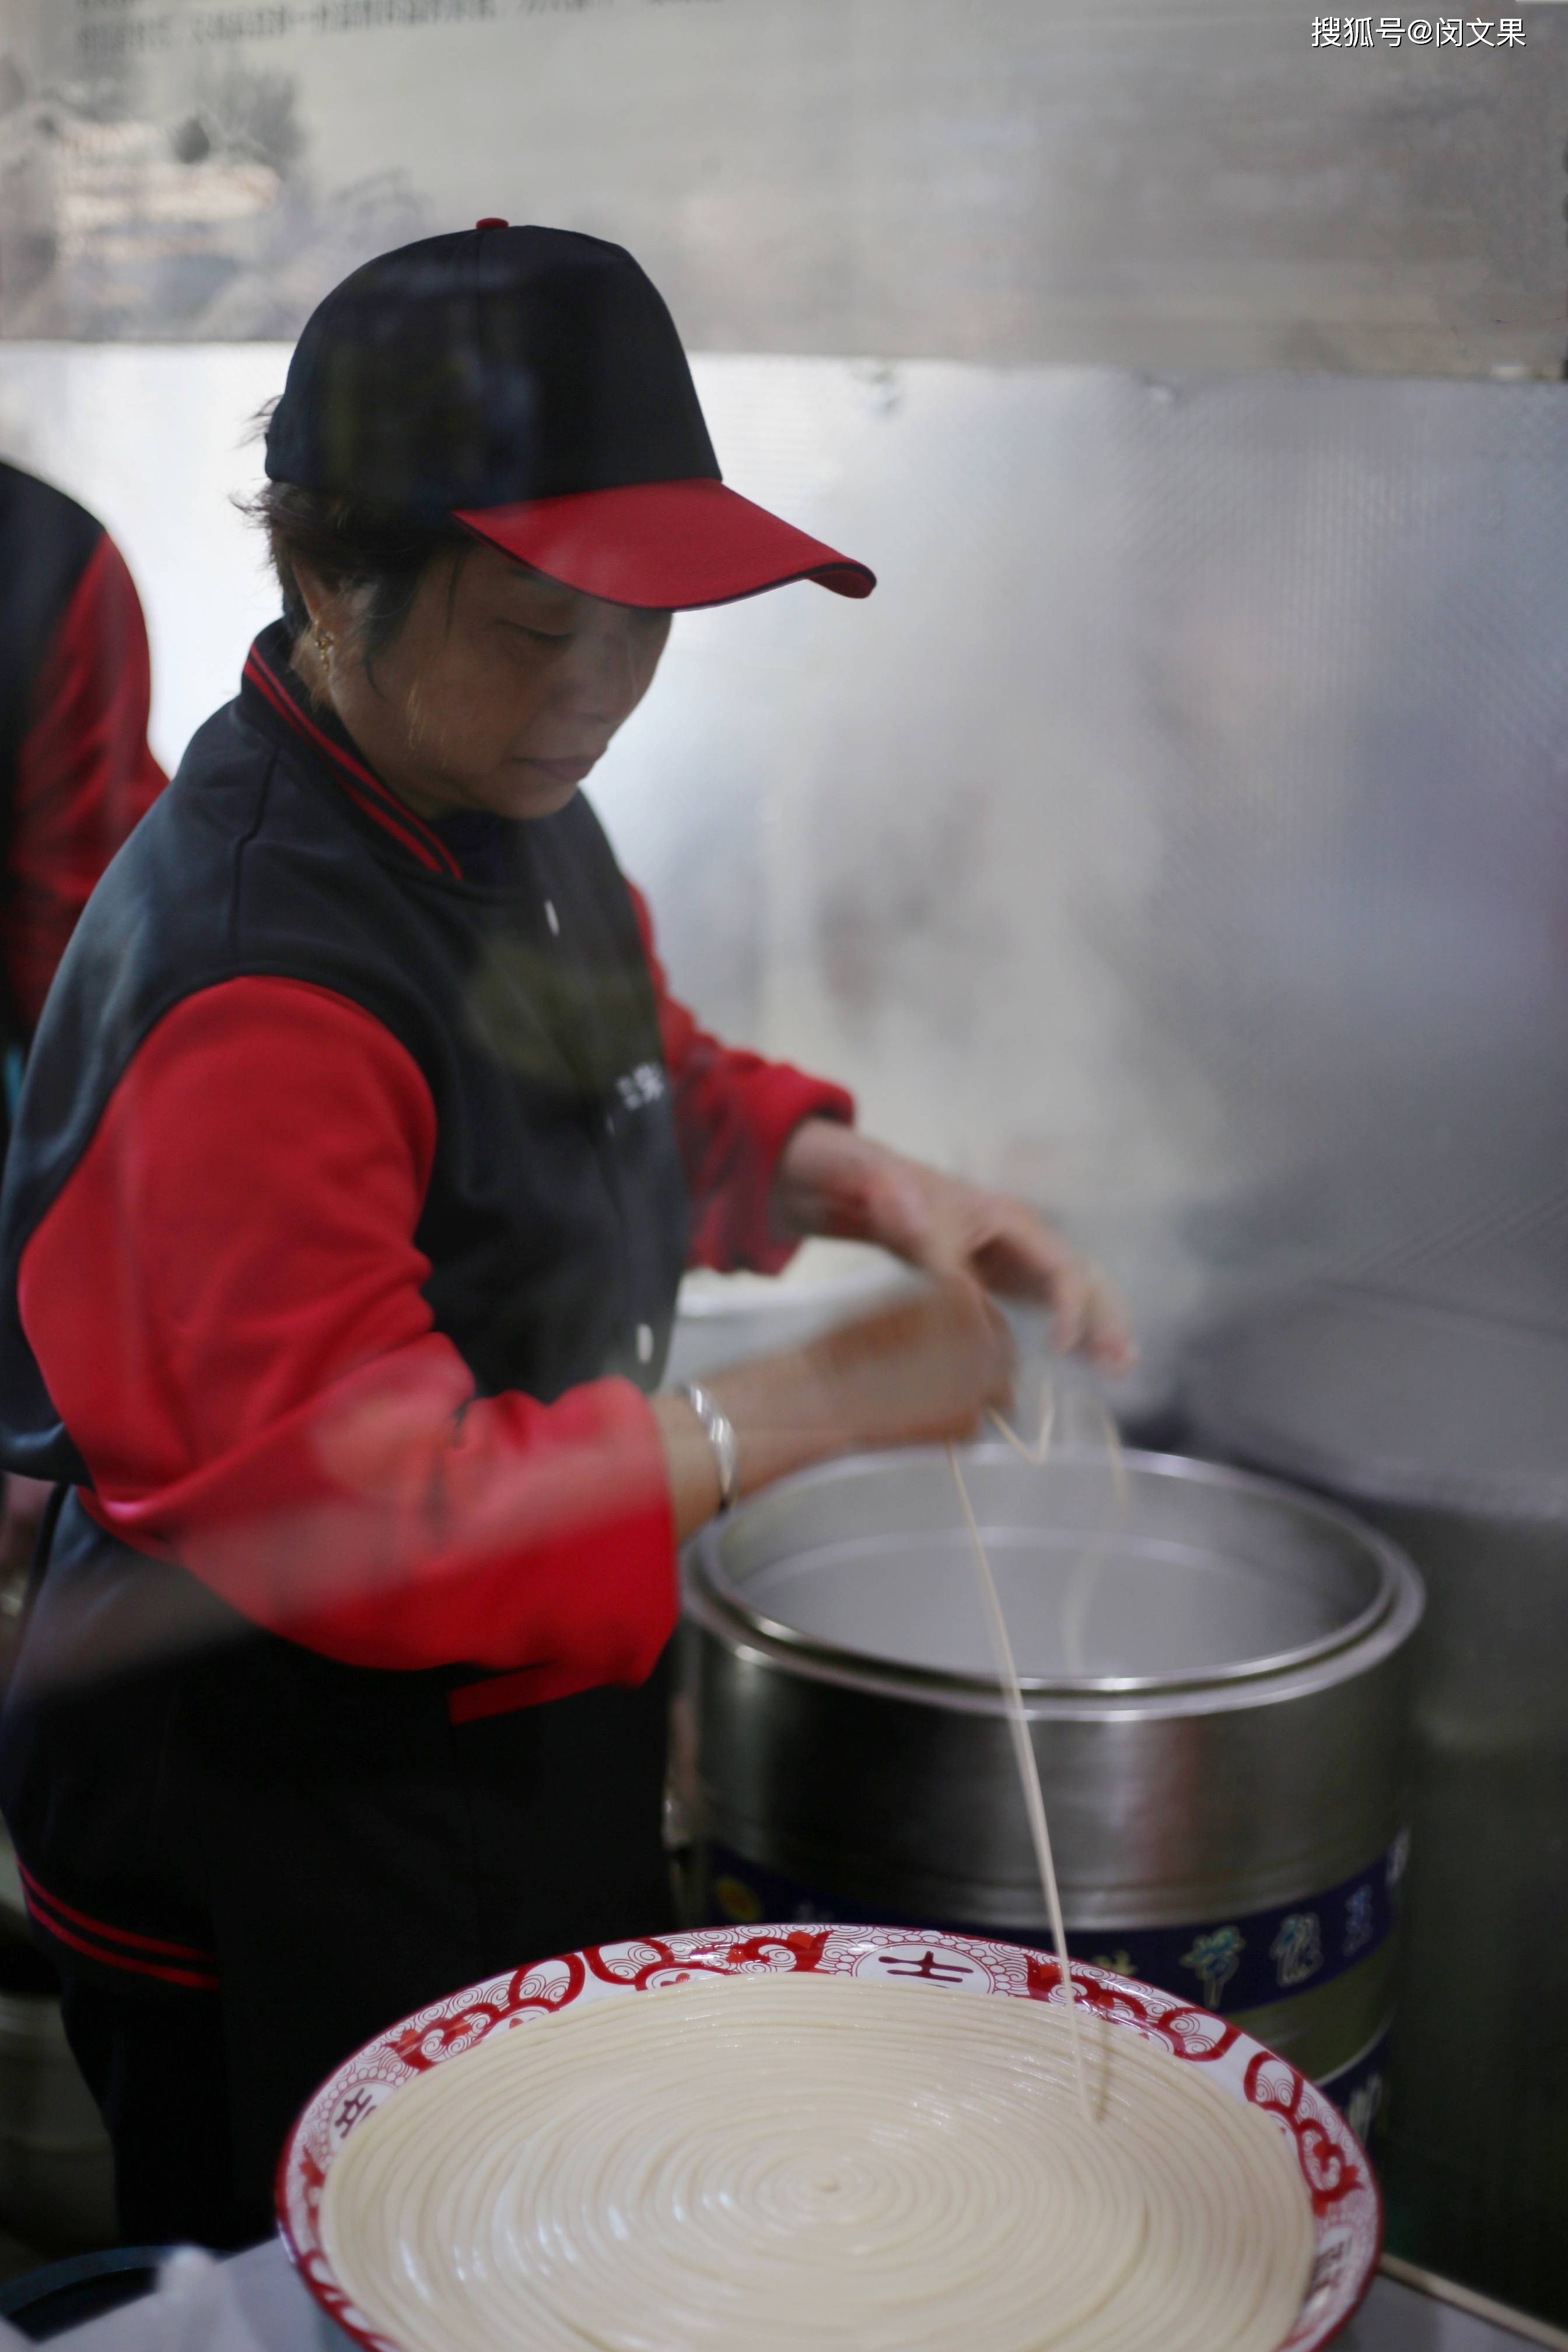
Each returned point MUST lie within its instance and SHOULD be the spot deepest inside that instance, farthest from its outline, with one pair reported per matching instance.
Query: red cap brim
(668, 546)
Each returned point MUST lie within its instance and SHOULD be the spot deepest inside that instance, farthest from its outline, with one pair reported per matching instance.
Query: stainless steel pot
(1449, 1430)
(1215, 1670)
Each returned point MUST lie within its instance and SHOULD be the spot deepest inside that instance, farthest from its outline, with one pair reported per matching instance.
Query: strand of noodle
(1028, 1769)
(1079, 1594)
(1034, 1455)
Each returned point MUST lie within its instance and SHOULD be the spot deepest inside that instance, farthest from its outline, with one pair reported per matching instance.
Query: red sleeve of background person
(227, 1311)
(84, 773)
(734, 1113)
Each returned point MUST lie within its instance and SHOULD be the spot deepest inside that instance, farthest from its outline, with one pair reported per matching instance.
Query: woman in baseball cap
(362, 1150)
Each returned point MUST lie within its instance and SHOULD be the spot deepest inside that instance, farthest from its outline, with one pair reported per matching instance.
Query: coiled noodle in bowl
(820, 2142)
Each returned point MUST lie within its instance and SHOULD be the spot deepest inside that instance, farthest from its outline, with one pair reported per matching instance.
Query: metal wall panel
(1180, 833)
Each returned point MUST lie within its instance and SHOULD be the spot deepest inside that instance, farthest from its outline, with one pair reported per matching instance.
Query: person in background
(76, 774)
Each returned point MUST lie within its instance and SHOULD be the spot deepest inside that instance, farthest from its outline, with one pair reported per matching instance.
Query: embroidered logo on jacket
(642, 1086)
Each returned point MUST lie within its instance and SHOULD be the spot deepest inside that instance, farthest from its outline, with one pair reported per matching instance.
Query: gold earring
(324, 644)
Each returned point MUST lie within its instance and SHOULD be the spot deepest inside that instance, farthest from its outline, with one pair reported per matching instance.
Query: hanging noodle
(1028, 1769)
(1086, 1569)
(1075, 1610)
(775, 2161)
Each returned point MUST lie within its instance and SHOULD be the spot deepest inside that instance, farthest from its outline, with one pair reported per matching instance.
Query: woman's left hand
(831, 1181)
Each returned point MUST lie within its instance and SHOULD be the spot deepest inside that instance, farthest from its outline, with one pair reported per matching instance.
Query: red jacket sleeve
(734, 1113)
(225, 1300)
(84, 773)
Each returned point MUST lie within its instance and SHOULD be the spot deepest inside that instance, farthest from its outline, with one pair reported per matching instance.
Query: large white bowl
(1346, 2208)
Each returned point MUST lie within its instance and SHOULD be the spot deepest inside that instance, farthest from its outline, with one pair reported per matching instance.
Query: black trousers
(346, 1851)
(157, 2069)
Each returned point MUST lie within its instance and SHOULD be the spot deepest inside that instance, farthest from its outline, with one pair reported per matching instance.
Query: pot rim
(716, 1600)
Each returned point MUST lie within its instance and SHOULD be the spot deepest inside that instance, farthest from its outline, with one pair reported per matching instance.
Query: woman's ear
(325, 637)
(324, 604)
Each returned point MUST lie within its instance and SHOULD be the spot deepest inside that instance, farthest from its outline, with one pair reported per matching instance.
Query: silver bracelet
(719, 1431)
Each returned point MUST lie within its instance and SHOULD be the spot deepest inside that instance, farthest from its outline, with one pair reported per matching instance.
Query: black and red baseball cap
(529, 385)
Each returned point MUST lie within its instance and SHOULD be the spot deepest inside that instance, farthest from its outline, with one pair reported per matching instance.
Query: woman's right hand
(909, 1374)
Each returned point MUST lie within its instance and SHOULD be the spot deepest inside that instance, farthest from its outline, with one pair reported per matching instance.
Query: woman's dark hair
(348, 545)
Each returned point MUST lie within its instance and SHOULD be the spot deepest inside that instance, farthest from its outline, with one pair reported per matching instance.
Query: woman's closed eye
(537, 636)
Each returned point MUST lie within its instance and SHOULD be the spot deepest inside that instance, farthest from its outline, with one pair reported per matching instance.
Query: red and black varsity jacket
(76, 773)
(353, 1174)
(346, 1206)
